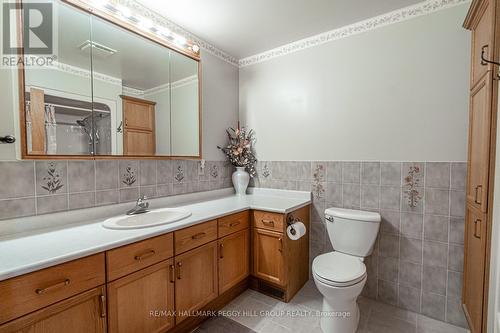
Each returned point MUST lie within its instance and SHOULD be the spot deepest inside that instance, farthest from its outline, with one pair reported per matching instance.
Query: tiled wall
(418, 258)
(31, 188)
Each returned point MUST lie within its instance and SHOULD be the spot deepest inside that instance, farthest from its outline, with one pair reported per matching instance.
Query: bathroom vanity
(94, 279)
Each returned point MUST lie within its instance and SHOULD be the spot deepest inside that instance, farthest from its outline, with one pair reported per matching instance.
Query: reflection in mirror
(58, 99)
(185, 124)
(111, 92)
(131, 76)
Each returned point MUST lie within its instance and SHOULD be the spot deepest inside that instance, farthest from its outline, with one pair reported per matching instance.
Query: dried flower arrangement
(53, 181)
(412, 182)
(239, 150)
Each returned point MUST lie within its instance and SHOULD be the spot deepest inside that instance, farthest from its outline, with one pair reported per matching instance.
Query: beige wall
(395, 93)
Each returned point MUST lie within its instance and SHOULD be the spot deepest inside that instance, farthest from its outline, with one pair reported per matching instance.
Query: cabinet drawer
(269, 221)
(233, 223)
(189, 238)
(130, 258)
(33, 291)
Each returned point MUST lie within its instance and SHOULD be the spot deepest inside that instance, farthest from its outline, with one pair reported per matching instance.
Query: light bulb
(124, 11)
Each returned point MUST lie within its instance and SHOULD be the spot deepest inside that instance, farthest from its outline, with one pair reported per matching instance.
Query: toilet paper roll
(296, 230)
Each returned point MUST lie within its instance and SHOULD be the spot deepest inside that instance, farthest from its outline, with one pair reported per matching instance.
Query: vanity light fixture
(146, 24)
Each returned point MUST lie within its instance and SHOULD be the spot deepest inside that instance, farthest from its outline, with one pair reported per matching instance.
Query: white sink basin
(149, 219)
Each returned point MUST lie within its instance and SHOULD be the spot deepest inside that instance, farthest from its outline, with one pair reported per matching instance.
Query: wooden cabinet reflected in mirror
(114, 91)
(139, 133)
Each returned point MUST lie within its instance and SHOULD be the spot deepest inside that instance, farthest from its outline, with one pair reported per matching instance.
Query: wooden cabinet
(133, 257)
(139, 129)
(196, 279)
(268, 256)
(143, 301)
(479, 143)
(84, 313)
(189, 238)
(474, 267)
(482, 20)
(233, 223)
(234, 259)
(30, 292)
(280, 265)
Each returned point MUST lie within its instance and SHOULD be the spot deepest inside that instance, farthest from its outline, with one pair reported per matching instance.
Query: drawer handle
(234, 224)
(57, 285)
(102, 302)
(221, 251)
(476, 222)
(281, 244)
(199, 235)
(268, 222)
(476, 195)
(145, 255)
(179, 265)
(172, 269)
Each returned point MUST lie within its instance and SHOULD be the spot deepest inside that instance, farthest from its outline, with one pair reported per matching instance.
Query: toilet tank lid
(352, 214)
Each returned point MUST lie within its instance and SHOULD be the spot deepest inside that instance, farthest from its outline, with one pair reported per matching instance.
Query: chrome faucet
(141, 206)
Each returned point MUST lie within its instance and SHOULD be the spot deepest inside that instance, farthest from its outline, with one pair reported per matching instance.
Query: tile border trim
(396, 16)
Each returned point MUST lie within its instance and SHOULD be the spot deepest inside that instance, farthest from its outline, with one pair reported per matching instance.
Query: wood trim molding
(138, 100)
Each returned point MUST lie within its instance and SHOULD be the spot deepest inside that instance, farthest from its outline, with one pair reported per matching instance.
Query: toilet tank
(352, 231)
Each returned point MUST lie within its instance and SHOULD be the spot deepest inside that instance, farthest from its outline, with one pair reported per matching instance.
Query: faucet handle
(141, 199)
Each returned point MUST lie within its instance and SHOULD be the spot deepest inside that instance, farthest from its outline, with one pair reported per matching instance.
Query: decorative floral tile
(51, 177)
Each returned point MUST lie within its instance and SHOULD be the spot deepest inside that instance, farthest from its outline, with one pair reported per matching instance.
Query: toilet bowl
(341, 275)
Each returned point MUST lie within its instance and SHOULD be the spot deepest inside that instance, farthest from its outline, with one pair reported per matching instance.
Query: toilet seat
(338, 269)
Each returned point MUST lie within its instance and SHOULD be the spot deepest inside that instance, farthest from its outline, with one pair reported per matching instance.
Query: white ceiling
(247, 27)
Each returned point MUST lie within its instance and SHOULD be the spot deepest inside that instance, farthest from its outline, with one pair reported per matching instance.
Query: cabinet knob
(7, 139)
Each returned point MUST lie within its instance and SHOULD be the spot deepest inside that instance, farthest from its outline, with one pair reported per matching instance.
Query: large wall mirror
(111, 92)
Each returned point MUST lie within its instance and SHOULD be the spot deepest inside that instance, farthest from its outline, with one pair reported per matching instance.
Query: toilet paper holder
(290, 222)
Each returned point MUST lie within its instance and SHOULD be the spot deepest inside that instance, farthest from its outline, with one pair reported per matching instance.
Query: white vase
(240, 180)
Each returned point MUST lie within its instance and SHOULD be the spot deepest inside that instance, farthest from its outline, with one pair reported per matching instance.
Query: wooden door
(234, 259)
(268, 263)
(143, 301)
(139, 129)
(83, 313)
(474, 267)
(479, 143)
(196, 279)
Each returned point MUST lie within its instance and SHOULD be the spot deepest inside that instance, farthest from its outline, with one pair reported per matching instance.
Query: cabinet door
(479, 143)
(482, 40)
(234, 259)
(143, 301)
(83, 313)
(196, 279)
(474, 266)
(138, 114)
(268, 263)
(138, 142)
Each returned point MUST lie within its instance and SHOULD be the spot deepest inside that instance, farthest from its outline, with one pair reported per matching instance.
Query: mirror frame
(86, 7)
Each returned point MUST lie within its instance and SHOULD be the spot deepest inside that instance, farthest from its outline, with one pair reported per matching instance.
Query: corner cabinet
(280, 266)
(482, 20)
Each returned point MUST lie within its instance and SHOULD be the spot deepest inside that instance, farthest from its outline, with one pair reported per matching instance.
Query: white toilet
(340, 275)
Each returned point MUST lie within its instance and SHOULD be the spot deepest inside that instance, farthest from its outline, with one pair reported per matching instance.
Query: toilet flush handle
(329, 218)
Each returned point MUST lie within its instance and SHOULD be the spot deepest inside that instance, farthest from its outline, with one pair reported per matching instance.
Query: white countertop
(71, 235)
